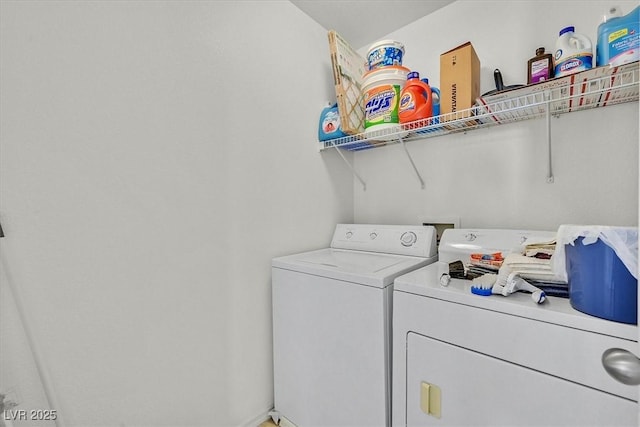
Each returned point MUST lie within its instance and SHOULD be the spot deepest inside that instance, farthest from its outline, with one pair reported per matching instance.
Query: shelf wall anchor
(415, 169)
(353, 171)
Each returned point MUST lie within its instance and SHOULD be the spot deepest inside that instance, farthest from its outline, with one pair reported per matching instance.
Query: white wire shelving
(596, 88)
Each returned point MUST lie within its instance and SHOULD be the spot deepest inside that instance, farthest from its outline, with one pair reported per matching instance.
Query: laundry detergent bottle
(416, 99)
(435, 102)
(574, 53)
(618, 37)
(329, 126)
(435, 98)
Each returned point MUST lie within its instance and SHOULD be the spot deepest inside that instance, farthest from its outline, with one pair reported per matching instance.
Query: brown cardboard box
(459, 79)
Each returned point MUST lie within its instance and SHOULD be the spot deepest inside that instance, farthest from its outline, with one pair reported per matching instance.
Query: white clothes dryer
(465, 359)
(332, 324)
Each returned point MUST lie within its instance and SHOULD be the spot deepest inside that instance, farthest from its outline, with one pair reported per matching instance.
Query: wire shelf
(596, 88)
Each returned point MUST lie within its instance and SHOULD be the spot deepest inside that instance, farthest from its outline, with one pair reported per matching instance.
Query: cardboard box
(459, 79)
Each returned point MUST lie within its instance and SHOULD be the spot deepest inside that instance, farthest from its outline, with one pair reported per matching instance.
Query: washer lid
(366, 268)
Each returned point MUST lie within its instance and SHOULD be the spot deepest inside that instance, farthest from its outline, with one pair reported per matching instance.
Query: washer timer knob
(349, 234)
(408, 238)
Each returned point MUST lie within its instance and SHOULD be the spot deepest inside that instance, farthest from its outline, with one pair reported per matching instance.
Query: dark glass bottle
(540, 68)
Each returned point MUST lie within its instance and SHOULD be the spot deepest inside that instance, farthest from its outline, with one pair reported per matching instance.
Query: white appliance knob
(470, 237)
(349, 234)
(373, 235)
(408, 238)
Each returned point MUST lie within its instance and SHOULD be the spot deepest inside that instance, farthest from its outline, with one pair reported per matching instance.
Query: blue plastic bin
(599, 283)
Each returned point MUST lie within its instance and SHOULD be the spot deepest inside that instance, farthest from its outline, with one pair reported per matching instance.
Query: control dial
(408, 238)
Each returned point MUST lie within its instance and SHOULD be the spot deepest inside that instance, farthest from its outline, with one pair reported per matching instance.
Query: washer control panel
(413, 240)
(408, 238)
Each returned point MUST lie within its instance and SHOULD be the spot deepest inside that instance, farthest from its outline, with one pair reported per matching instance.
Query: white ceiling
(362, 22)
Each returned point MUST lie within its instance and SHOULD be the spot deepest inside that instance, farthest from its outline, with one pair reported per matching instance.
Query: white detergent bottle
(574, 53)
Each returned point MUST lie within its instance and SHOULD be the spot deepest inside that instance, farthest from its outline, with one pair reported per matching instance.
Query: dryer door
(477, 389)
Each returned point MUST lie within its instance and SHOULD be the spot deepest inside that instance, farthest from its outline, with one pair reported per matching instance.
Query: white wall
(497, 177)
(154, 157)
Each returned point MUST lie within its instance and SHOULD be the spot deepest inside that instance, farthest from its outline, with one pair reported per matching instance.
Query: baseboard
(256, 421)
(286, 423)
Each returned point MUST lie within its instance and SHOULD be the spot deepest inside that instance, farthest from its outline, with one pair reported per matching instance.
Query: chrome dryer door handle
(622, 365)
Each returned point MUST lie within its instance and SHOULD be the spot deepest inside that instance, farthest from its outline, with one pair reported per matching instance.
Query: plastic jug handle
(425, 92)
(428, 97)
(575, 42)
(429, 93)
(437, 92)
(580, 41)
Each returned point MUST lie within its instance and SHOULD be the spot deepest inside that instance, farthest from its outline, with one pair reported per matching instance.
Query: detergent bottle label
(381, 105)
(623, 46)
(331, 122)
(573, 64)
(407, 102)
(329, 126)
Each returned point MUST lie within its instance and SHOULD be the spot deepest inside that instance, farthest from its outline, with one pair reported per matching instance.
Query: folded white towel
(531, 268)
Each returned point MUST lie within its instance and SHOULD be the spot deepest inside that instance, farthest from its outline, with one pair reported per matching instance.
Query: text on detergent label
(381, 103)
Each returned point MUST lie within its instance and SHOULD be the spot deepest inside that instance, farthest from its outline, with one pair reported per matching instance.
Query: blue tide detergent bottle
(618, 37)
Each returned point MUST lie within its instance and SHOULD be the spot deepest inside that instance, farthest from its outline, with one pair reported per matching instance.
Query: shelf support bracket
(415, 169)
(547, 98)
(353, 171)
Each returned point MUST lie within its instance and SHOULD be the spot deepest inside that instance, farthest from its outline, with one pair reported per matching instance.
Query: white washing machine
(464, 359)
(332, 324)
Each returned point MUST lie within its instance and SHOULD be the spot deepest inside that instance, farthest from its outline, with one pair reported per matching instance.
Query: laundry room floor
(268, 423)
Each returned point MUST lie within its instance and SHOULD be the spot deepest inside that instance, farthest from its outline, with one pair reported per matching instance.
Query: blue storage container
(599, 283)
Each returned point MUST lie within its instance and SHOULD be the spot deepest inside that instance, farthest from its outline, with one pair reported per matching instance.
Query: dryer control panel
(459, 243)
(412, 240)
